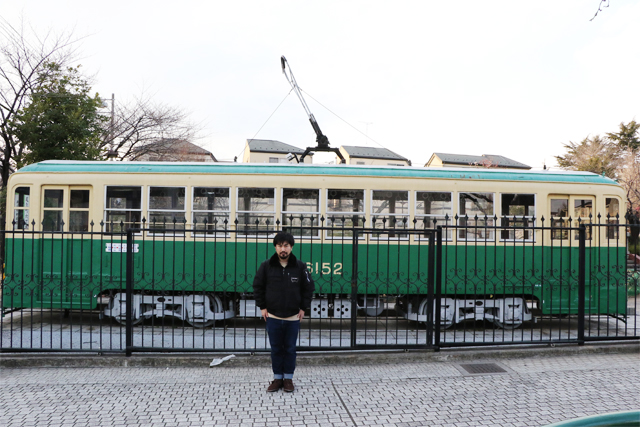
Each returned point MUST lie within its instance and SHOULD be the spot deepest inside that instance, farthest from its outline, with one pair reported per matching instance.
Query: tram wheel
(134, 322)
(200, 325)
(507, 326)
(422, 310)
(215, 304)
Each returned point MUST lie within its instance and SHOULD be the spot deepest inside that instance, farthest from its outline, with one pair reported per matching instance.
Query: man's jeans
(283, 335)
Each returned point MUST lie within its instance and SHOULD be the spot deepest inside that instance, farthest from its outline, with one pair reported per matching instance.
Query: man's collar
(275, 260)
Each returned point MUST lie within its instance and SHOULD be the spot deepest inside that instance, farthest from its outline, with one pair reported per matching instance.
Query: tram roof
(71, 166)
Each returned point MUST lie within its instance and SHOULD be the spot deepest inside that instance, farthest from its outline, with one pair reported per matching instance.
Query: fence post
(354, 287)
(438, 288)
(582, 237)
(431, 256)
(129, 293)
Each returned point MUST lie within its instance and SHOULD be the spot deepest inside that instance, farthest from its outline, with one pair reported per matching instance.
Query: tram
(202, 229)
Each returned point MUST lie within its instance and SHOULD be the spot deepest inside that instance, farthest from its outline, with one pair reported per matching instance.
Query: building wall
(250, 157)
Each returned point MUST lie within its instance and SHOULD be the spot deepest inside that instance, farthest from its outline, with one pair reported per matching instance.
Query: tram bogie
(197, 310)
(506, 313)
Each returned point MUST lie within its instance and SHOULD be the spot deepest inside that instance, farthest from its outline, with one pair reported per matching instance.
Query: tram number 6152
(324, 268)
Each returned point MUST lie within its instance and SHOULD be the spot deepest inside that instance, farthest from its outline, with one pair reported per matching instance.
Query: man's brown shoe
(288, 386)
(274, 386)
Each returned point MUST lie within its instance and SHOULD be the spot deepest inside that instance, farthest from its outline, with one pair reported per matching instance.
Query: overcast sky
(515, 78)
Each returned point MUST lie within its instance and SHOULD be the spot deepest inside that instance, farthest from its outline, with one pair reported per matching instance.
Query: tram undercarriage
(204, 310)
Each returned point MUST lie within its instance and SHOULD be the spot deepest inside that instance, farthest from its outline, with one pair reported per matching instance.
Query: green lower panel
(70, 273)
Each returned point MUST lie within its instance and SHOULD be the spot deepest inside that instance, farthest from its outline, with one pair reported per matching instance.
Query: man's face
(283, 250)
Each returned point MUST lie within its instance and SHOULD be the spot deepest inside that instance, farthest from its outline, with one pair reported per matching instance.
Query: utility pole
(112, 154)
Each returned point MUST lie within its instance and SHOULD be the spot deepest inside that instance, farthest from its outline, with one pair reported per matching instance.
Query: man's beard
(283, 255)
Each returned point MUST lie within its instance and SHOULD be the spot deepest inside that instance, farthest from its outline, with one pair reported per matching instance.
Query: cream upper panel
(98, 182)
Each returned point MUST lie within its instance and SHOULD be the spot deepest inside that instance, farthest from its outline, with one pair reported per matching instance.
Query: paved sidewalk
(538, 387)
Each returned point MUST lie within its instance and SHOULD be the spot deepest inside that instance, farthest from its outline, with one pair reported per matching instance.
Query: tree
(593, 154)
(629, 177)
(62, 119)
(23, 55)
(618, 156)
(628, 136)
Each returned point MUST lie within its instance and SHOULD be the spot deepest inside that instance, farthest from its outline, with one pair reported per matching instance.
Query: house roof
(173, 145)
(271, 146)
(372, 153)
(493, 159)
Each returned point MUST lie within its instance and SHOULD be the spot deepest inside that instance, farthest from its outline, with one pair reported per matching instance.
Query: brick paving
(533, 391)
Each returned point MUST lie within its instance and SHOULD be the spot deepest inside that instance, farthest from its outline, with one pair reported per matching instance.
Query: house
(270, 151)
(469, 161)
(355, 155)
(172, 150)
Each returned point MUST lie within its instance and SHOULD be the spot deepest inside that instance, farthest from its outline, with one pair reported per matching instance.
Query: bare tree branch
(603, 3)
(141, 123)
(23, 53)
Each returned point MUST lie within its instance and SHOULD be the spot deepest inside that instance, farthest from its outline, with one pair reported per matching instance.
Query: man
(283, 289)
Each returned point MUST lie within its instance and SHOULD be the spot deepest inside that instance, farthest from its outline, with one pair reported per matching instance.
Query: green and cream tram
(201, 230)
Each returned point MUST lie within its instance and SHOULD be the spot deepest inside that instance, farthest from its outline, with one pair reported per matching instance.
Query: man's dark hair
(283, 237)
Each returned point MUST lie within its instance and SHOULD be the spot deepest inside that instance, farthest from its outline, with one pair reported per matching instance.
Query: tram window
(21, 208)
(53, 210)
(583, 210)
(123, 208)
(256, 209)
(79, 210)
(476, 213)
(390, 210)
(559, 218)
(166, 208)
(433, 209)
(210, 209)
(613, 217)
(300, 211)
(345, 210)
(517, 212)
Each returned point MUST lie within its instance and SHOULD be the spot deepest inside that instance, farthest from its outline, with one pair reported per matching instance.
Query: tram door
(566, 212)
(65, 252)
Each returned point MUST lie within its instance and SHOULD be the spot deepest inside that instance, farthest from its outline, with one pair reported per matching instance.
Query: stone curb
(202, 360)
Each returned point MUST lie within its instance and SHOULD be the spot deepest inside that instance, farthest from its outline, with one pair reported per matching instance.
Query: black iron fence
(471, 283)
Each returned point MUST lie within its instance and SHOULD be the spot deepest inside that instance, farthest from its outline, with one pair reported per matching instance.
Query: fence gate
(385, 271)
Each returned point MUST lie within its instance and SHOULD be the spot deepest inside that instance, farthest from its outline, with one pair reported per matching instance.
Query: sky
(512, 78)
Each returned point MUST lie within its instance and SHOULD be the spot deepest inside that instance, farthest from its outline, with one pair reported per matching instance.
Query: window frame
(448, 235)
(152, 227)
(107, 209)
(62, 225)
(571, 199)
(224, 231)
(26, 208)
(509, 228)
(76, 209)
(247, 231)
(340, 229)
(612, 227)
(489, 226)
(315, 215)
(390, 232)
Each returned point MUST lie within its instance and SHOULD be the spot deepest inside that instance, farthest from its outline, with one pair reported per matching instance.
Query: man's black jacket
(283, 291)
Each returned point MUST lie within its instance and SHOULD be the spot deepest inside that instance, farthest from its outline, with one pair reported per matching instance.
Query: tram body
(205, 228)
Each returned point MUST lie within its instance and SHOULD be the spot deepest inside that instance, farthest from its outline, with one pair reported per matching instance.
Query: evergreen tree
(628, 136)
(61, 120)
